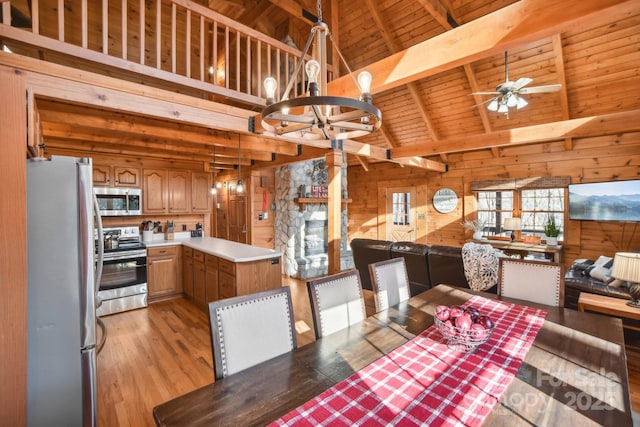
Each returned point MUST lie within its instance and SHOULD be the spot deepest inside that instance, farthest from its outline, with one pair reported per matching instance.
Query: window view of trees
(533, 206)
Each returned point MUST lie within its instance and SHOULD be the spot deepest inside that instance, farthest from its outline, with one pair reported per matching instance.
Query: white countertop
(226, 249)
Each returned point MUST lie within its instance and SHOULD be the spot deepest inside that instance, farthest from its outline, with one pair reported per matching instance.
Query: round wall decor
(445, 200)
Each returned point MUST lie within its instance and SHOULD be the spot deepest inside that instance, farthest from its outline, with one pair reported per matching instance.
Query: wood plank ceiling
(598, 66)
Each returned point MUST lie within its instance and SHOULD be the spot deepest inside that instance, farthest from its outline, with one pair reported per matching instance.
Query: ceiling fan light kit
(508, 94)
(318, 115)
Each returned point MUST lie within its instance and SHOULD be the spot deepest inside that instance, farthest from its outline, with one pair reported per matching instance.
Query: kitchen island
(209, 269)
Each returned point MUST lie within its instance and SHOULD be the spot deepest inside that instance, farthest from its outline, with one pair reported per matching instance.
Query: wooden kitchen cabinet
(211, 278)
(179, 191)
(199, 292)
(116, 176)
(200, 192)
(154, 191)
(163, 272)
(187, 271)
(166, 191)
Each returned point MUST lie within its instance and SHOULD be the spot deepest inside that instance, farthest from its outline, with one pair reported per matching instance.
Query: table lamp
(513, 224)
(626, 266)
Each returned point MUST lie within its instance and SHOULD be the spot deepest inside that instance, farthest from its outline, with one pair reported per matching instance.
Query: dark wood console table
(521, 247)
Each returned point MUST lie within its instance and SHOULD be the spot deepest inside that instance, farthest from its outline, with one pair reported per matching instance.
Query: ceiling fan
(508, 94)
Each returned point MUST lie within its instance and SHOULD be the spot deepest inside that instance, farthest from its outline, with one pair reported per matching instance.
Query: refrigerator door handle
(87, 285)
(100, 260)
(89, 413)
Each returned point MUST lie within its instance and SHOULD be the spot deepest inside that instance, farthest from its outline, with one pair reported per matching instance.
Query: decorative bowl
(465, 340)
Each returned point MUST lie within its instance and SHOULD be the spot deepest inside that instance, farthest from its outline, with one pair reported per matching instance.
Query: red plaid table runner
(423, 382)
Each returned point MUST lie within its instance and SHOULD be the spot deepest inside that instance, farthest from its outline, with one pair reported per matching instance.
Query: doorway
(401, 214)
(237, 216)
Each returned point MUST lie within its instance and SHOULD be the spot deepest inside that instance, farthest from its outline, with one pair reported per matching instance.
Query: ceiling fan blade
(522, 81)
(540, 89)
(485, 93)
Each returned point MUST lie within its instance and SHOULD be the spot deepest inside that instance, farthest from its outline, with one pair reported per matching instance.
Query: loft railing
(172, 40)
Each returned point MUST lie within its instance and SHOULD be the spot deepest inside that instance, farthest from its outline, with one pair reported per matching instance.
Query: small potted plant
(476, 226)
(551, 231)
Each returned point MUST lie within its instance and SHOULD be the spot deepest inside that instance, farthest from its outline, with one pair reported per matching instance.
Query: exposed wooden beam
(333, 162)
(607, 124)
(519, 23)
(294, 9)
(56, 113)
(145, 143)
(556, 40)
(394, 47)
(439, 12)
(73, 148)
(363, 162)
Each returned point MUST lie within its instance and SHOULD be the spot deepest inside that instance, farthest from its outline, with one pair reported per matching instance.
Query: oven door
(123, 270)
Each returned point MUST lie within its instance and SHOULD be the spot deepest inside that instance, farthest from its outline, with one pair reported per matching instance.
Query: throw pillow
(616, 283)
(603, 260)
(601, 273)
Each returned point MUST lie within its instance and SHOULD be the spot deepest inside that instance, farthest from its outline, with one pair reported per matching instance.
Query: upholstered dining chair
(336, 302)
(390, 282)
(536, 281)
(250, 329)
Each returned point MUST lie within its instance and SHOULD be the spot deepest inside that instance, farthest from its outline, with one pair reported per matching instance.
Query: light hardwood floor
(155, 354)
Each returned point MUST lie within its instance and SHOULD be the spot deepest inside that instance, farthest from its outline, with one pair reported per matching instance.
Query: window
(493, 208)
(401, 208)
(534, 206)
(540, 204)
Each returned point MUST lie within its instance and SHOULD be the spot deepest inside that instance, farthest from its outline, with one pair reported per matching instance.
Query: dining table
(572, 371)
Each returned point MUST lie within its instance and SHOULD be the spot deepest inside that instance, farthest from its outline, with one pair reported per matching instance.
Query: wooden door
(401, 214)
(200, 191)
(179, 188)
(154, 193)
(238, 218)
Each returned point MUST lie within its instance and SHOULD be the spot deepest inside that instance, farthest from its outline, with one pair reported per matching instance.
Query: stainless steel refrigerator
(61, 321)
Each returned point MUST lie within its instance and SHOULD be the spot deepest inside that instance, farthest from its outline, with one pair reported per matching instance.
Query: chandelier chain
(344, 61)
(319, 8)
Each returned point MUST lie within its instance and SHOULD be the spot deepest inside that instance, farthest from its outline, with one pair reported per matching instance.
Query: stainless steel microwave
(119, 201)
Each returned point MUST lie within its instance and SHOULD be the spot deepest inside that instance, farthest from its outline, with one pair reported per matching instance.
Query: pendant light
(239, 185)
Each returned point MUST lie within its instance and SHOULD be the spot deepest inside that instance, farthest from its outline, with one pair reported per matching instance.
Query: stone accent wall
(290, 221)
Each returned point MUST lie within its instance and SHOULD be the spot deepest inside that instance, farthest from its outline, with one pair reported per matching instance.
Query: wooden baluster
(226, 57)
(84, 24)
(105, 27)
(173, 38)
(202, 36)
(123, 24)
(248, 65)
(142, 8)
(60, 20)
(35, 15)
(158, 33)
(188, 44)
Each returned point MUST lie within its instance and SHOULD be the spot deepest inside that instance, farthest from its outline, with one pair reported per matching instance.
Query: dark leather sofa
(426, 265)
(575, 282)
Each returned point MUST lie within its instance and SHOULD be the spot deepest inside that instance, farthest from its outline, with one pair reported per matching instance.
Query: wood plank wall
(606, 158)
(13, 250)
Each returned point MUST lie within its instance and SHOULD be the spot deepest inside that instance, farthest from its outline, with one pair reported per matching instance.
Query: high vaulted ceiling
(432, 113)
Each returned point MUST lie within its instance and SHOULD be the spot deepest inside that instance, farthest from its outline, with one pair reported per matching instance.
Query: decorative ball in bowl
(464, 328)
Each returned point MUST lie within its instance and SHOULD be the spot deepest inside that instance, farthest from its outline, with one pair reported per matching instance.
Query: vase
(477, 235)
(552, 241)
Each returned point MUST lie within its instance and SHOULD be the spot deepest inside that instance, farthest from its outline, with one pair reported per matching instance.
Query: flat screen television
(605, 201)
